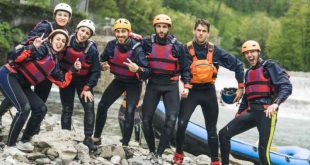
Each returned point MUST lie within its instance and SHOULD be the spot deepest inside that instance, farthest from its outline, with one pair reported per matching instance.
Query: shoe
(178, 158)
(88, 141)
(157, 160)
(215, 163)
(128, 152)
(97, 141)
(25, 146)
(150, 156)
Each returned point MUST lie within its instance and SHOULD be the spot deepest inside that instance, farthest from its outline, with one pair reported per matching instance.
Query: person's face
(121, 35)
(252, 56)
(201, 33)
(83, 34)
(62, 18)
(59, 42)
(161, 29)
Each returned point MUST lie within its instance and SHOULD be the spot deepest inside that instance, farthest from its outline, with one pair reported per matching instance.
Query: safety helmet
(250, 45)
(63, 7)
(162, 18)
(228, 95)
(122, 23)
(58, 31)
(87, 23)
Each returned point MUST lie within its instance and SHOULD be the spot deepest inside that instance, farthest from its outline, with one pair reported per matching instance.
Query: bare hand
(271, 110)
(184, 93)
(135, 36)
(239, 94)
(104, 66)
(133, 67)
(87, 96)
(77, 64)
(18, 46)
(38, 41)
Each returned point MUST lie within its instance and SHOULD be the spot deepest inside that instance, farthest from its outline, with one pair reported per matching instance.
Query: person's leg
(5, 106)
(171, 100)
(38, 111)
(150, 102)
(12, 89)
(210, 112)
(133, 94)
(67, 100)
(266, 129)
(43, 89)
(187, 107)
(238, 125)
(113, 91)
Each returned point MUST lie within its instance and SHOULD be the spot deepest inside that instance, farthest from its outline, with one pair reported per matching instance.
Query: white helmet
(63, 7)
(87, 23)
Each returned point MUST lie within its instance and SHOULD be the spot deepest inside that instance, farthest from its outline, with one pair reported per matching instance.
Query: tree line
(282, 27)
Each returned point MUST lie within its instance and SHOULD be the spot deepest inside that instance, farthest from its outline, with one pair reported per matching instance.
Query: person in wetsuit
(267, 85)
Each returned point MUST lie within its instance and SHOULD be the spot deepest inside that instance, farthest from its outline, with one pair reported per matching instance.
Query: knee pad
(89, 106)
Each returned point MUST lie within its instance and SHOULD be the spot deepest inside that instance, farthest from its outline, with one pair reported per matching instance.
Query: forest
(282, 27)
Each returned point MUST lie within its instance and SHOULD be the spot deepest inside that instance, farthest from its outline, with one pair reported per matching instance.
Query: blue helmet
(228, 95)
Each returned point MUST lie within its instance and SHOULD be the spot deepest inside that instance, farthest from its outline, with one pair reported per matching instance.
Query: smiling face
(252, 56)
(121, 35)
(62, 18)
(59, 42)
(83, 34)
(161, 30)
(201, 33)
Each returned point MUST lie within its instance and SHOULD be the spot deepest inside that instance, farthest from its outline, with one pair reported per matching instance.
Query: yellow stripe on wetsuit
(272, 129)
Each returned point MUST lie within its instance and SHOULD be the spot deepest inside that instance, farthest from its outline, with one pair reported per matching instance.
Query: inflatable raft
(196, 142)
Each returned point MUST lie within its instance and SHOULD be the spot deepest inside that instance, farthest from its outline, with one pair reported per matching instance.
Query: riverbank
(56, 146)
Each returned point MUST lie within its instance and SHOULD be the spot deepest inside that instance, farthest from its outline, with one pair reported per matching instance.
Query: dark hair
(203, 22)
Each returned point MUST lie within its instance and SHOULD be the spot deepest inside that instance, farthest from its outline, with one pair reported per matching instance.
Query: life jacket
(161, 59)
(202, 71)
(36, 71)
(71, 55)
(257, 85)
(117, 66)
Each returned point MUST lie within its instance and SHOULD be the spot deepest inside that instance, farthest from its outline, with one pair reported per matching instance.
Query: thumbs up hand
(78, 64)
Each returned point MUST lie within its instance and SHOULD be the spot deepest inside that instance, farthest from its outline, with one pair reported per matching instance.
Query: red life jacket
(71, 55)
(161, 59)
(116, 63)
(36, 71)
(257, 85)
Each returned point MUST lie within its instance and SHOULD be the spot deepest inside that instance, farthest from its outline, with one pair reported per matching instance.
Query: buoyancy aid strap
(210, 52)
(90, 43)
(51, 26)
(136, 45)
(191, 50)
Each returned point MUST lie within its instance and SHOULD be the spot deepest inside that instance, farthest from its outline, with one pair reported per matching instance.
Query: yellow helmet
(250, 45)
(122, 23)
(162, 18)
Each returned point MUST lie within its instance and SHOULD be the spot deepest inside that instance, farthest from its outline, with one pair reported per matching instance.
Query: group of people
(49, 55)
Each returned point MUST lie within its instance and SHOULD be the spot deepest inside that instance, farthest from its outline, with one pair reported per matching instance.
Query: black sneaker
(128, 152)
(97, 141)
(88, 141)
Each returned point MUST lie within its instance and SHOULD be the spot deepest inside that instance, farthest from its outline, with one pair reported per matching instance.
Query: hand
(19, 46)
(184, 93)
(133, 67)
(38, 41)
(87, 96)
(239, 94)
(104, 66)
(271, 110)
(135, 36)
(77, 64)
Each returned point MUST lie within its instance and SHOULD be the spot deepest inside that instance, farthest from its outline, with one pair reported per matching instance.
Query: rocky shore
(62, 147)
